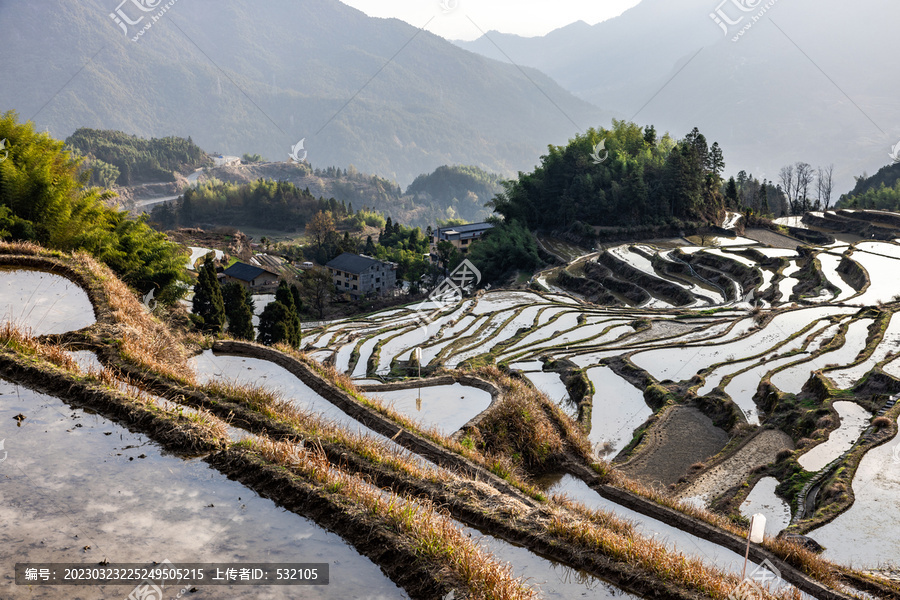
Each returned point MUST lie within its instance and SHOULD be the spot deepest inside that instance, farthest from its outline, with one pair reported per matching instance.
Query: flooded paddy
(763, 500)
(849, 377)
(866, 535)
(672, 537)
(854, 420)
(619, 409)
(447, 407)
(791, 379)
(553, 580)
(119, 497)
(43, 303)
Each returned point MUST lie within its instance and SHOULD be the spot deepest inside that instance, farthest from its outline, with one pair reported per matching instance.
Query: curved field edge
(111, 348)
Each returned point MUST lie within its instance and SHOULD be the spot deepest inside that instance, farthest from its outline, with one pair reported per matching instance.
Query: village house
(251, 277)
(359, 276)
(461, 236)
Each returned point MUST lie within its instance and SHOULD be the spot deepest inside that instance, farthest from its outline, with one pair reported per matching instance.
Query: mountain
(817, 90)
(255, 77)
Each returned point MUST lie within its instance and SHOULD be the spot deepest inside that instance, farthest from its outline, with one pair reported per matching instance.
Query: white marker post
(756, 535)
(417, 354)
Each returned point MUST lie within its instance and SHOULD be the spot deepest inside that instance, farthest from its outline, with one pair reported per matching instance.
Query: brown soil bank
(683, 436)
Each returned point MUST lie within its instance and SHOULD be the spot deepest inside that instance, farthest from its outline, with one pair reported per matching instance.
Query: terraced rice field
(730, 325)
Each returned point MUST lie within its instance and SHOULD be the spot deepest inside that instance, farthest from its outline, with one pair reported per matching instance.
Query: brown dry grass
(431, 533)
(144, 340)
(312, 427)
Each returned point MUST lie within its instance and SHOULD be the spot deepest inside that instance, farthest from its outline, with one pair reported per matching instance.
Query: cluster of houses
(355, 275)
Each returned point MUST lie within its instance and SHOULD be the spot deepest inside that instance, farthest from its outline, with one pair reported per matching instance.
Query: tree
(238, 310)
(208, 305)
(44, 190)
(764, 200)
(731, 193)
(786, 176)
(318, 287)
(804, 176)
(279, 322)
(825, 186)
(319, 227)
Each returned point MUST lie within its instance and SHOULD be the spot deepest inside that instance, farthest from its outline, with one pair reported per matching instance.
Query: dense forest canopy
(881, 191)
(464, 190)
(267, 204)
(116, 158)
(44, 198)
(626, 176)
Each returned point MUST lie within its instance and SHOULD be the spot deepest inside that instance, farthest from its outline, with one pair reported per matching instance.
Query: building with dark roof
(359, 276)
(250, 276)
(461, 236)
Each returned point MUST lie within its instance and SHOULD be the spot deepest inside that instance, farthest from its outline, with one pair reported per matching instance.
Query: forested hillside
(624, 177)
(880, 191)
(462, 192)
(44, 198)
(117, 158)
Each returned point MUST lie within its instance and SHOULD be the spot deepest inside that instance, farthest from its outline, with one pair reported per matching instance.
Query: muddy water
(619, 409)
(866, 535)
(854, 420)
(763, 500)
(447, 407)
(42, 303)
(116, 495)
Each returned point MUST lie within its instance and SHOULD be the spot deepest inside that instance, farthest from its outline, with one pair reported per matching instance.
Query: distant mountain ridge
(256, 77)
(805, 83)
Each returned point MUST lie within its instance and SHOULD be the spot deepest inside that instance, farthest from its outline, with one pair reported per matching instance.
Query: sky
(466, 19)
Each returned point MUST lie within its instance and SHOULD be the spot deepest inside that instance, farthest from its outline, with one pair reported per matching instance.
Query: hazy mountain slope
(287, 68)
(766, 101)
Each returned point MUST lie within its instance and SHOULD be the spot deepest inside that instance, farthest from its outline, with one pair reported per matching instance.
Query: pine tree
(208, 304)
(731, 193)
(280, 320)
(239, 311)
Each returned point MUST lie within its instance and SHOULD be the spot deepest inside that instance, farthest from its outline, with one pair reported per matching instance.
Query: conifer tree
(208, 304)
(239, 311)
